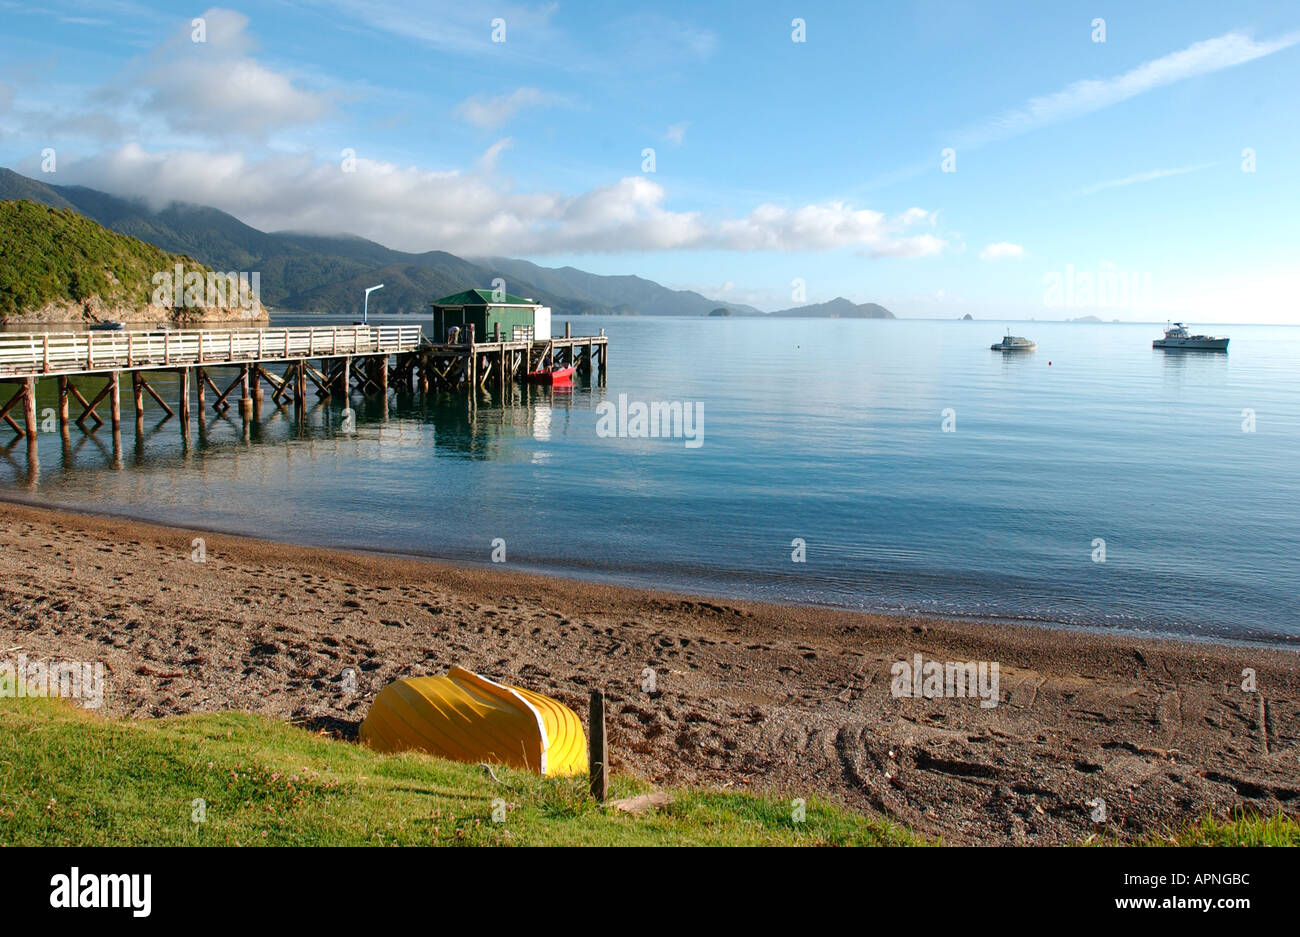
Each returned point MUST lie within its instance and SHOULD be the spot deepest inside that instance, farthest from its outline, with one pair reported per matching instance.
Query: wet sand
(745, 695)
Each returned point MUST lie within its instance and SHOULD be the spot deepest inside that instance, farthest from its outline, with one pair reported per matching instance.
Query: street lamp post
(365, 311)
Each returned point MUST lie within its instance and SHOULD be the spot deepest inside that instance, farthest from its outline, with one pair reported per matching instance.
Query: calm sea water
(829, 432)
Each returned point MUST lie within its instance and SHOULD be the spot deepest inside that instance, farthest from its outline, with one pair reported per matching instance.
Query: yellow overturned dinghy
(465, 717)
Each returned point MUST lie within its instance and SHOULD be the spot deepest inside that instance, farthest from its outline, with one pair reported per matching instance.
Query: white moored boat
(1014, 343)
(1177, 336)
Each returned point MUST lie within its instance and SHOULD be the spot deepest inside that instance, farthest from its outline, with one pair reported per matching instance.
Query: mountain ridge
(327, 273)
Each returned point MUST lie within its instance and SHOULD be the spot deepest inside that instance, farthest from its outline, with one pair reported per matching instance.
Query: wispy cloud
(458, 28)
(1084, 97)
(676, 133)
(1002, 250)
(1150, 176)
(492, 112)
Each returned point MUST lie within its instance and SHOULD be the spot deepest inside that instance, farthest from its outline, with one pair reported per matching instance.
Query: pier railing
(26, 354)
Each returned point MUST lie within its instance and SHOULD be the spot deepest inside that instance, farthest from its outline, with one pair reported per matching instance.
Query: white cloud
(1150, 176)
(827, 226)
(474, 212)
(923, 245)
(1001, 250)
(1083, 97)
(491, 112)
(677, 132)
(215, 88)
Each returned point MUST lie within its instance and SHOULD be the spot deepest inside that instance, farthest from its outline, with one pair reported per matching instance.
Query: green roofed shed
(518, 319)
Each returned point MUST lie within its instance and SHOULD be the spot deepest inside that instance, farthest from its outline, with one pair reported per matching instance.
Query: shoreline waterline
(641, 582)
(746, 694)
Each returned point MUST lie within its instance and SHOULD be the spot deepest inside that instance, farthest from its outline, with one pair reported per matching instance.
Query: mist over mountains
(328, 273)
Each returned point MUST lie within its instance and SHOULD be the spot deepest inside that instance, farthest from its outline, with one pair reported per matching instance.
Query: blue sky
(1081, 167)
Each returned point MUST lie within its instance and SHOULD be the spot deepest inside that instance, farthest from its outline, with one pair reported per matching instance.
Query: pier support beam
(201, 380)
(29, 409)
(137, 384)
(63, 403)
(17, 398)
(184, 375)
(245, 400)
(88, 406)
(115, 400)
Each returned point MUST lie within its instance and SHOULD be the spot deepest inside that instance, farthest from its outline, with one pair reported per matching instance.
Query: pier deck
(54, 353)
(365, 359)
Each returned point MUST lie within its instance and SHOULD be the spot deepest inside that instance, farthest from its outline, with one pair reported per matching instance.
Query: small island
(837, 308)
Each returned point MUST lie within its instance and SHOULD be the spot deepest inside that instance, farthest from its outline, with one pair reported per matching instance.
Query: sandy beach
(744, 695)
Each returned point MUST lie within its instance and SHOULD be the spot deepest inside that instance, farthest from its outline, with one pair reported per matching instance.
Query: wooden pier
(336, 360)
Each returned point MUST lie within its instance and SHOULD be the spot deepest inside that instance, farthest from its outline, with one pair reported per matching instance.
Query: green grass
(49, 254)
(1244, 829)
(70, 777)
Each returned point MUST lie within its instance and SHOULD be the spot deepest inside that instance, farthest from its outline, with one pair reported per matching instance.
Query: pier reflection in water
(157, 453)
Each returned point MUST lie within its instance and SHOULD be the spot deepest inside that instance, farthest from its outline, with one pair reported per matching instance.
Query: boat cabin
(490, 313)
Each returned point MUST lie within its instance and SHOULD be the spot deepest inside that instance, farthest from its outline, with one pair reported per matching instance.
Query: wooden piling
(137, 384)
(201, 379)
(63, 403)
(29, 409)
(184, 375)
(245, 398)
(115, 400)
(597, 748)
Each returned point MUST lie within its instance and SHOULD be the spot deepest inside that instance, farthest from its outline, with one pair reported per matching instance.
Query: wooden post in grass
(597, 748)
